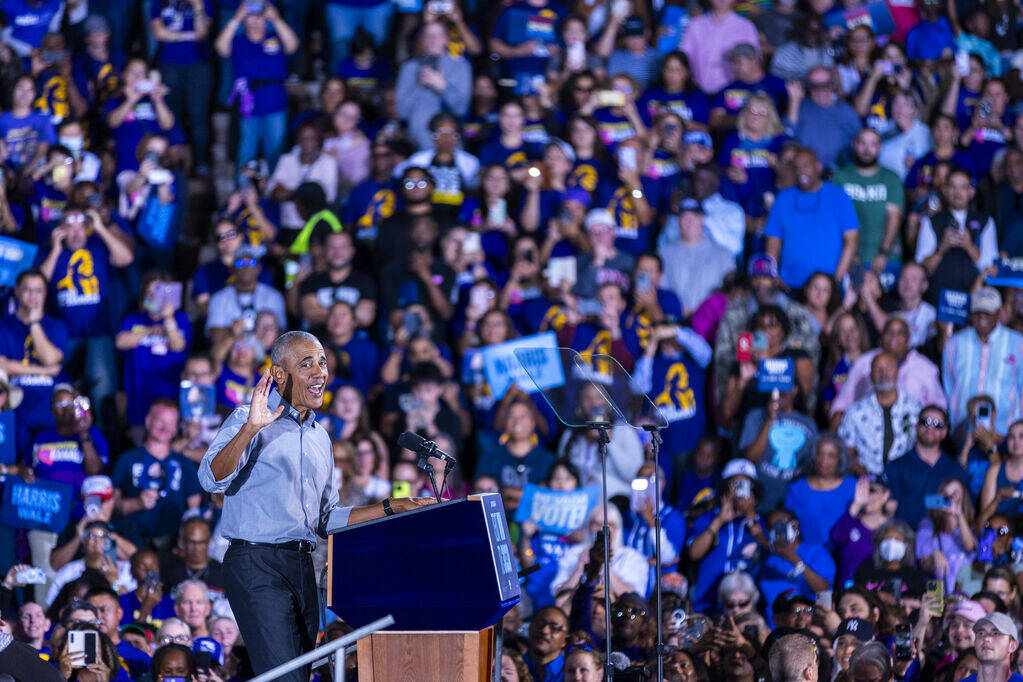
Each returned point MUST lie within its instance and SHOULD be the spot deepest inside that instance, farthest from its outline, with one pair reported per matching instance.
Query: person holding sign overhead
(274, 463)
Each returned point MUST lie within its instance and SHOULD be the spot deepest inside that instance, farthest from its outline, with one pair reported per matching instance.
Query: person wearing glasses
(455, 171)
(923, 470)
(213, 275)
(545, 646)
(173, 631)
(233, 309)
(795, 566)
(96, 539)
(823, 121)
(393, 240)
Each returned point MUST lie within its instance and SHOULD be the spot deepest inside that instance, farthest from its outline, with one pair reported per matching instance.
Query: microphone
(416, 443)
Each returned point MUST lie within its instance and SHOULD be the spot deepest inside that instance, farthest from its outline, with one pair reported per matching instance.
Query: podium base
(427, 656)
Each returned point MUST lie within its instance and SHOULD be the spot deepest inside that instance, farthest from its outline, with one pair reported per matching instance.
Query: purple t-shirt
(854, 542)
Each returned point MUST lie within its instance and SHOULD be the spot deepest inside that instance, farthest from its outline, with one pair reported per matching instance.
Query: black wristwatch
(387, 507)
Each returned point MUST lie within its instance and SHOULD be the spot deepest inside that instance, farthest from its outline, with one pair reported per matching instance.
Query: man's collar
(295, 414)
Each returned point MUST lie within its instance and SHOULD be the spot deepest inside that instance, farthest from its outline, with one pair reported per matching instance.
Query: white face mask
(892, 549)
(74, 144)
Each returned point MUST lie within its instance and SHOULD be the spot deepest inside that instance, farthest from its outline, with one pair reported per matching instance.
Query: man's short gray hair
(790, 656)
(180, 588)
(872, 653)
(283, 343)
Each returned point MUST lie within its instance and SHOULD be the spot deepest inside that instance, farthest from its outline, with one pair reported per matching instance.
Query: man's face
(382, 160)
(445, 138)
(992, 646)
(931, 428)
(547, 632)
(895, 338)
(983, 323)
(339, 250)
(75, 234)
(601, 234)
(764, 288)
(690, 224)
(195, 544)
(303, 375)
(193, 606)
(31, 293)
(198, 371)
(34, 622)
(109, 612)
(648, 266)
(883, 373)
(434, 39)
(912, 282)
(999, 586)
(246, 270)
(867, 145)
(808, 171)
(959, 191)
(308, 141)
(162, 423)
(821, 90)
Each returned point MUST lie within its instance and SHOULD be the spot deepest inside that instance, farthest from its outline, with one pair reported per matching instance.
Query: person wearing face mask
(71, 136)
(891, 569)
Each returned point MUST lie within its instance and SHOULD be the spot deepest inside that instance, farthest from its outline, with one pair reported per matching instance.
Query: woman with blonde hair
(750, 154)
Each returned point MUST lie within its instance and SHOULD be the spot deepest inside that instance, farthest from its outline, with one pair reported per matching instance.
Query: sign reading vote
(43, 505)
(15, 257)
(775, 373)
(7, 452)
(953, 306)
(1010, 273)
(556, 511)
(503, 365)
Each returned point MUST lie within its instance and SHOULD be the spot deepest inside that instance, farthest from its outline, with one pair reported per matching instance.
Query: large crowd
(797, 224)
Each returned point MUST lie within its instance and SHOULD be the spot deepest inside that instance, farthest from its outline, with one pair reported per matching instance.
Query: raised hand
(259, 412)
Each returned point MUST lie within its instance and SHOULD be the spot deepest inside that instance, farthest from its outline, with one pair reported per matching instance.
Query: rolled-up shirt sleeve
(232, 425)
(332, 516)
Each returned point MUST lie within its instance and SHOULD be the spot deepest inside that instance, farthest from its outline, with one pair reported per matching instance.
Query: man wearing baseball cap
(766, 287)
(996, 639)
(984, 358)
(605, 262)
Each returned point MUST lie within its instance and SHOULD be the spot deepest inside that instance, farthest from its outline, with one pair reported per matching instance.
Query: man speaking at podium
(275, 469)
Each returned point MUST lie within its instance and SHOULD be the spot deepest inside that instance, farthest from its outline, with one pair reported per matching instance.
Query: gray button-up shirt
(282, 488)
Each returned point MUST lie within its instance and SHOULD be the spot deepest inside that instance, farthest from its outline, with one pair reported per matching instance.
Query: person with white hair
(628, 566)
(738, 594)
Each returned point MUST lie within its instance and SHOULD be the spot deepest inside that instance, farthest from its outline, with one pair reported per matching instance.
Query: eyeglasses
(64, 403)
(444, 133)
(931, 422)
(737, 604)
(246, 262)
(96, 536)
(820, 86)
(548, 625)
(808, 610)
(224, 236)
(179, 639)
(629, 614)
(416, 184)
(1002, 530)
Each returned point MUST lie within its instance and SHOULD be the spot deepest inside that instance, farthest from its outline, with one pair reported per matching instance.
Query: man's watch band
(387, 507)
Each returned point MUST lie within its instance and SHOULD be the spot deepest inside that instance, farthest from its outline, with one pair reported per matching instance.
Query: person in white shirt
(305, 163)
(96, 540)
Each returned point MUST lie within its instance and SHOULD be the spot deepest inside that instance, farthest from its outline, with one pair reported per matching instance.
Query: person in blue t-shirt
(793, 564)
(750, 79)
(147, 603)
(259, 60)
(73, 449)
(155, 484)
(27, 133)
(97, 65)
(32, 348)
(78, 267)
(180, 29)
(141, 109)
(27, 21)
(154, 343)
(812, 226)
(524, 35)
(373, 200)
(344, 17)
(358, 357)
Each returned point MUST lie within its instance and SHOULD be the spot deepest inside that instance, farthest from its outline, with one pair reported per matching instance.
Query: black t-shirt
(913, 581)
(174, 572)
(353, 288)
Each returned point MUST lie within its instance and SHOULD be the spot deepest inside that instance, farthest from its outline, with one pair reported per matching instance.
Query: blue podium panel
(448, 566)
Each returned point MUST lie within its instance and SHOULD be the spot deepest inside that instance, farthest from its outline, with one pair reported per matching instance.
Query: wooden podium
(447, 575)
(434, 656)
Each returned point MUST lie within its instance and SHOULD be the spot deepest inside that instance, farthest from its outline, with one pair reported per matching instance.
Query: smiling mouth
(316, 390)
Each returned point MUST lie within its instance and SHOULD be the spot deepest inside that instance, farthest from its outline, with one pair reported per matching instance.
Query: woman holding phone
(1003, 482)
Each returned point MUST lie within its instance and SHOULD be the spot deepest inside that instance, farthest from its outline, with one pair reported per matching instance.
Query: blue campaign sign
(953, 306)
(7, 452)
(502, 365)
(15, 257)
(874, 15)
(43, 505)
(556, 511)
(197, 401)
(775, 373)
(1010, 273)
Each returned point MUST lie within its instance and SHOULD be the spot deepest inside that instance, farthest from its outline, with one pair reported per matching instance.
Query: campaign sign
(15, 257)
(502, 365)
(1010, 273)
(874, 15)
(197, 401)
(556, 511)
(7, 452)
(43, 505)
(775, 373)
(953, 306)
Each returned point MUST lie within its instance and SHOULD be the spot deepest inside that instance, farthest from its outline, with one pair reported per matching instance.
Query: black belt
(293, 545)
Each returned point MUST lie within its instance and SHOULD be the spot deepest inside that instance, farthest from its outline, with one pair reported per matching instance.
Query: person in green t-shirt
(877, 194)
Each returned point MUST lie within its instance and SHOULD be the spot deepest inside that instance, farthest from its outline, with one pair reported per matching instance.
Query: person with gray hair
(738, 594)
(274, 461)
(821, 496)
(871, 663)
(793, 659)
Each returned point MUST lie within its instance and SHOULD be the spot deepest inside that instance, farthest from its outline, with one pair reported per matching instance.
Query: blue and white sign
(15, 257)
(43, 505)
(1010, 273)
(503, 365)
(775, 373)
(557, 511)
(953, 306)
(7, 451)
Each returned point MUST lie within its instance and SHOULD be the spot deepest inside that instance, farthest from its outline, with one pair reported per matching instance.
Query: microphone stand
(603, 439)
(423, 463)
(655, 439)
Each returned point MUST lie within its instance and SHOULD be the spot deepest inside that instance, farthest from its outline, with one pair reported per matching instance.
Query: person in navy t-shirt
(260, 65)
(27, 21)
(27, 133)
(140, 110)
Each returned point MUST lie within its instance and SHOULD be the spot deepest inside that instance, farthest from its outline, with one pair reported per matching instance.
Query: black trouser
(273, 596)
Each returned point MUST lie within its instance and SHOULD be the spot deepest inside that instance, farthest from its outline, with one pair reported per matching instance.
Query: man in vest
(956, 243)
